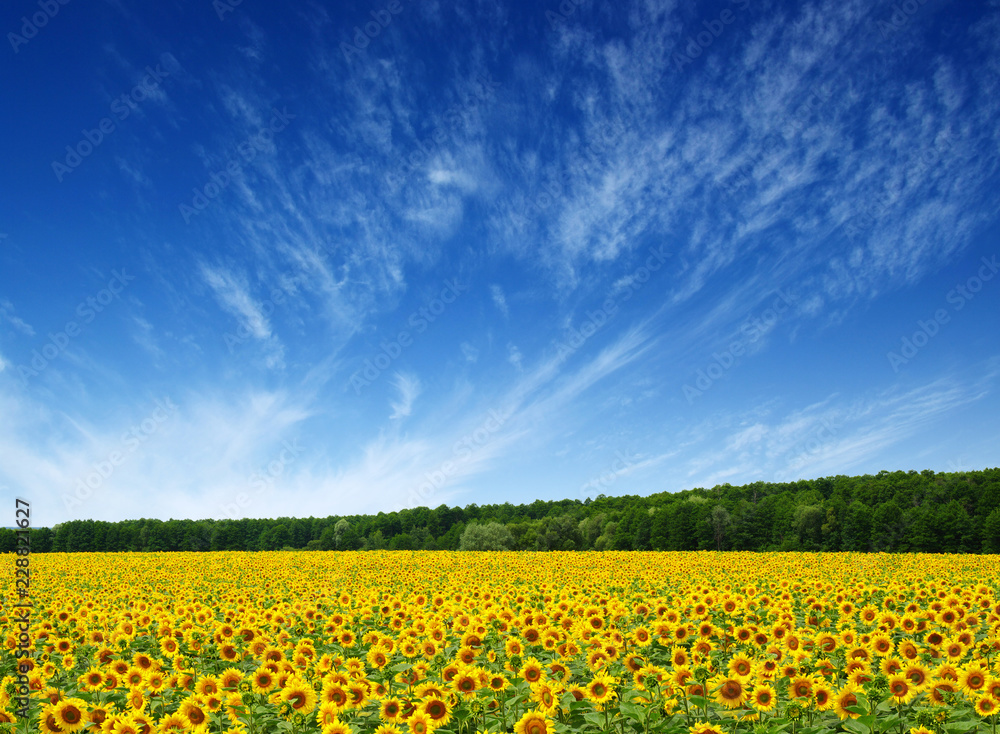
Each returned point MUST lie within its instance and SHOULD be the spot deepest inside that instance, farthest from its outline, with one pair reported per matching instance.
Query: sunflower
(336, 694)
(992, 687)
(136, 699)
(437, 710)
(391, 709)
(235, 707)
(207, 686)
(845, 697)
(230, 679)
(263, 681)
(533, 722)
(938, 690)
(601, 688)
(946, 671)
(339, 727)
(91, 680)
(53, 695)
(70, 714)
(327, 714)
(801, 686)
(881, 644)
(908, 650)
(597, 660)
(192, 711)
(143, 722)
(134, 677)
(763, 697)
(419, 723)
(704, 728)
(680, 675)
(174, 723)
(987, 705)
(377, 658)
(299, 695)
(513, 647)
(531, 670)
(766, 669)
(973, 678)
(546, 696)
(641, 637)
(47, 722)
(917, 674)
(357, 694)
(126, 725)
(731, 691)
(822, 696)
(826, 642)
(466, 682)
(741, 666)
(954, 650)
(96, 716)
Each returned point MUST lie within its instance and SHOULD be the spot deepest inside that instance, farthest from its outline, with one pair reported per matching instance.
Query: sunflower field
(532, 643)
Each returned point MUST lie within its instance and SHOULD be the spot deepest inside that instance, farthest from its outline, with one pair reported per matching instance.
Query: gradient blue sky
(503, 252)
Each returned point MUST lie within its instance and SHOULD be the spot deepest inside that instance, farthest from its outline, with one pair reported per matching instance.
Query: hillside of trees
(891, 511)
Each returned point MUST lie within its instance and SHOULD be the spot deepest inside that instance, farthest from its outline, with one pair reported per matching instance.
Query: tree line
(900, 511)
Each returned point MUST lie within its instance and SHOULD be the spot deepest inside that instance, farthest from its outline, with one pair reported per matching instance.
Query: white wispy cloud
(470, 353)
(409, 389)
(499, 299)
(233, 294)
(7, 314)
(515, 357)
(837, 435)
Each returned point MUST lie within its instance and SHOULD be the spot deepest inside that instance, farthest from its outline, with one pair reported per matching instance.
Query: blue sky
(313, 259)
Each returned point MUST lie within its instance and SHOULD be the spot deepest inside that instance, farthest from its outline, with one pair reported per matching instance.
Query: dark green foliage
(891, 511)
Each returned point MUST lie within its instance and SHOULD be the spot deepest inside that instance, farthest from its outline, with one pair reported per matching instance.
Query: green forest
(889, 512)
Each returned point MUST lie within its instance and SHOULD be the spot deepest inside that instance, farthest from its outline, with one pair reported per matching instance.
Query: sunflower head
(70, 714)
(533, 722)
